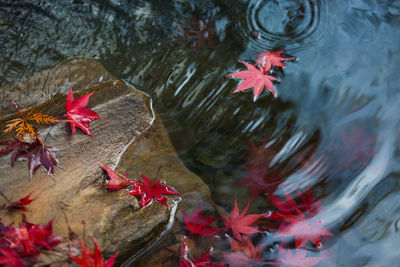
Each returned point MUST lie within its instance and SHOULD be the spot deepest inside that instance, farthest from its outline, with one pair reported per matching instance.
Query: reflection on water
(333, 126)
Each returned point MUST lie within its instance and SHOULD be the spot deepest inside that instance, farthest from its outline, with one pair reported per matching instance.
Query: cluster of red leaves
(257, 77)
(93, 259)
(146, 190)
(20, 246)
(37, 153)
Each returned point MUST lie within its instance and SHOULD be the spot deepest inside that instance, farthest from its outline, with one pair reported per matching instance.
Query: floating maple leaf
(255, 78)
(38, 154)
(297, 259)
(19, 204)
(241, 223)
(199, 225)
(148, 190)
(77, 114)
(95, 259)
(271, 58)
(117, 181)
(244, 253)
(297, 220)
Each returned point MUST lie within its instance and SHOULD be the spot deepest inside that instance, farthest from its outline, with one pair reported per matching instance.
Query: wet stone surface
(131, 136)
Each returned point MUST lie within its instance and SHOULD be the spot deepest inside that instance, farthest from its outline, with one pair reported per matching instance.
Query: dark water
(337, 106)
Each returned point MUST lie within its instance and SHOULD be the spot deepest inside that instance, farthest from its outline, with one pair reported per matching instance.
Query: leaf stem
(158, 171)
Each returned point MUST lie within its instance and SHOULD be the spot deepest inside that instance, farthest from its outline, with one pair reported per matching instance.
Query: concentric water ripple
(292, 24)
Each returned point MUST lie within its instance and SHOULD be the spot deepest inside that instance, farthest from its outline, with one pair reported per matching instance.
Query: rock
(130, 135)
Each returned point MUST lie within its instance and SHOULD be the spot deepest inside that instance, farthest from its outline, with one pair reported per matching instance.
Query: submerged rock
(130, 136)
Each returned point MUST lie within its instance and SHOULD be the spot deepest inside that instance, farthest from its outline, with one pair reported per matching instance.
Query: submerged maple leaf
(199, 225)
(93, 259)
(244, 253)
(241, 223)
(19, 204)
(37, 154)
(260, 179)
(271, 58)
(13, 145)
(297, 220)
(148, 190)
(297, 259)
(255, 78)
(77, 114)
(117, 181)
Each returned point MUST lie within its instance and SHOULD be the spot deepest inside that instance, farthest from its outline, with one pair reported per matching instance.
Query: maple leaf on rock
(271, 58)
(93, 259)
(297, 220)
(244, 253)
(77, 114)
(297, 259)
(148, 190)
(117, 181)
(241, 223)
(255, 78)
(19, 204)
(199, 225)
(10, 258)
(38, 154)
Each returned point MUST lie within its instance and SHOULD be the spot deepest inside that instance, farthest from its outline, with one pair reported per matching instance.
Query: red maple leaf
(258, 155)
(77, 114)
(199, 225)
(297, 219)
(297, 259)
(269, 59)
(117, 181)
(241, 223)
(19, 204)
(255, 78)
(93, 259)
(244, 253)
(37, 154)
(148, 190)
(10, 258)
(203, 261)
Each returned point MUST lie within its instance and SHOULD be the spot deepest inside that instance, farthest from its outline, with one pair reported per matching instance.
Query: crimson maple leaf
(10, 258)
(255, 78)
(38, 154)
(77, 114)
(297, 259)
(95, 259)
(271, 58)
(117, 181)
(244, 253)
(241, 223)
(147, 191)
(297, 220)
(199, 225)
(19, 204)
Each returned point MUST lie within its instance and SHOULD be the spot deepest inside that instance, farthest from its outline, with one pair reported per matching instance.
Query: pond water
(333, 127)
